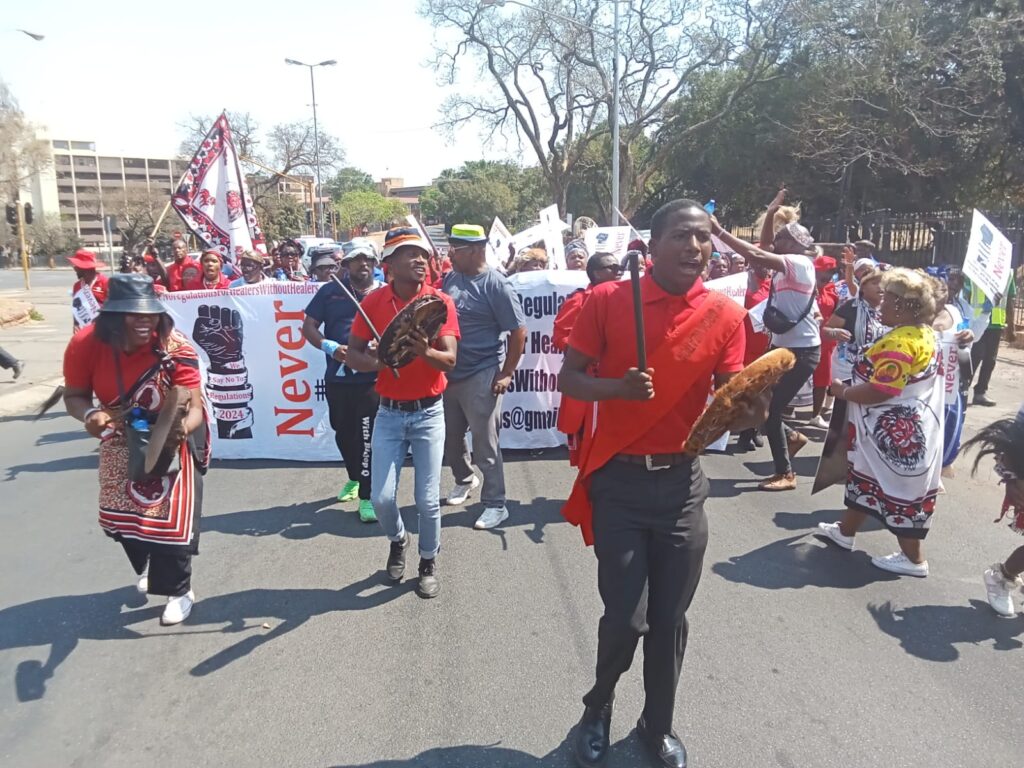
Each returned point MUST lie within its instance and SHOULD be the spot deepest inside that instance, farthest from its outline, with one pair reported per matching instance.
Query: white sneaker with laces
(899, 563)
(143, 584)
(491, 517)
(819, 421)
(832, 531)
(460, 492)
(178, 608)
(999, 588)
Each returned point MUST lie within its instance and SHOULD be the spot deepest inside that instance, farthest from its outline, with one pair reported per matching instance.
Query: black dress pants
(650, 533)
(170, 568)
(983, 357)
(352, 409)
(782, 395)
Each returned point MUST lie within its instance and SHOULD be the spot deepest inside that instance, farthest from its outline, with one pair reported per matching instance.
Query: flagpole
(167, 207)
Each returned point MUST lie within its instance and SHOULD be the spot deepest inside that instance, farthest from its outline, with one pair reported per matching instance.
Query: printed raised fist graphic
(218, 332)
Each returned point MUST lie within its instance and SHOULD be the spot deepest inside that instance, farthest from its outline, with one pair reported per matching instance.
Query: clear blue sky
(126, 74)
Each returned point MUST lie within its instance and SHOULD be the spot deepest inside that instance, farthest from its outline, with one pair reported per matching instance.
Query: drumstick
(638, 309)
(362, 313)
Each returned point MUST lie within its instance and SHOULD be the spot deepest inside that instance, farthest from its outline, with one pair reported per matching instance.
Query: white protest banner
(263, 381)
(497, 244)
(614, 240)
(553, 236)
(989, 258)
(529, 411)
(733, 286)
(528, 237)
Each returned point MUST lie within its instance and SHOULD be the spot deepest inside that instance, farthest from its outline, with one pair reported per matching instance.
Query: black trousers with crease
(650, 533)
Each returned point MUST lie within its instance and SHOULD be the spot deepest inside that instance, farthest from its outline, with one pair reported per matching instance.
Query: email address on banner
(527, 420)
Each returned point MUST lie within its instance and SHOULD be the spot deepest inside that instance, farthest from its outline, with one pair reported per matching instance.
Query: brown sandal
(785, 482)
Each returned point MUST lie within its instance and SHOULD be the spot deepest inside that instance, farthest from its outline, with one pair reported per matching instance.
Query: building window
(66, 188)
(110, 176)
(63, 174)
(88, 175)
(134, 162)
(84, 146)
(85, 162)
(59, 144)
(62, 159)
(162, 165)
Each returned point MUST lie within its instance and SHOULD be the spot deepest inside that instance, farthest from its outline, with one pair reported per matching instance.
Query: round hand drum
(764, 373)
(426, 314)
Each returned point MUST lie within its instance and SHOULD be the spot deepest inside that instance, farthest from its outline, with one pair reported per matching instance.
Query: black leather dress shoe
(666, 748)
(593, 735)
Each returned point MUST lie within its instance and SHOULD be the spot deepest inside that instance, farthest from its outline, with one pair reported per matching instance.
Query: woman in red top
(129, 360)
(759, 283)
(828, 300)
(211, 278)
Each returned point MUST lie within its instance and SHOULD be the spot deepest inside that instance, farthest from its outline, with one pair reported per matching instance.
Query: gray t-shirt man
(488, 306)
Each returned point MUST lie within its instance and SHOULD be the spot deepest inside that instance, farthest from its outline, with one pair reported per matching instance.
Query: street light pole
(615, 119)
(316, 139)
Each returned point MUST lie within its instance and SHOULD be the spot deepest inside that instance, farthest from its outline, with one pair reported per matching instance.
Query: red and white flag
(213, 199)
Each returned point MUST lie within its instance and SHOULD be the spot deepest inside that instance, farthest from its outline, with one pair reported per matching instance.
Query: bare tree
(549, 80)
(22, 155)
(137, 213)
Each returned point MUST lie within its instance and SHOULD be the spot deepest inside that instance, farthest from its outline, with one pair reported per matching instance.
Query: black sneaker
(19, 366)
(396, 559)
(428, 586)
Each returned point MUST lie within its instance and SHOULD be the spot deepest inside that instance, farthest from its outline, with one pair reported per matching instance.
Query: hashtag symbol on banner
(320, 390)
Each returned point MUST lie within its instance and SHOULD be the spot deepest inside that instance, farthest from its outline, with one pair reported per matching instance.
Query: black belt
(654, 461)
(409, 406)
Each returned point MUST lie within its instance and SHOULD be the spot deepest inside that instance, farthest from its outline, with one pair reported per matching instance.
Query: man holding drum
(411, 413)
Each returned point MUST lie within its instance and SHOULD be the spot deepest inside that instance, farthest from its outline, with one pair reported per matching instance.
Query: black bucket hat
(132, 294)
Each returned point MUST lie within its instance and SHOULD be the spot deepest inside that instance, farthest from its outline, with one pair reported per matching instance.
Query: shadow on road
(55, 438)
(795, 563)
(301, 521)
(626, 752)
(932, 632)
(803, 466)
(534, 515)
(60, 622)
(87, 461)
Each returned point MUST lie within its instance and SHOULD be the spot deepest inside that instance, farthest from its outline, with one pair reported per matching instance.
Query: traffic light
(28, 213)
(12, 217)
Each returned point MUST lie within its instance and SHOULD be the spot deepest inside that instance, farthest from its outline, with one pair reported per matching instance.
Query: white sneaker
(178, 608)
(491, 517)
(999, 588)
(899, 563)
(142, 584)
(818, 422)
(460, 492)
(832, 531)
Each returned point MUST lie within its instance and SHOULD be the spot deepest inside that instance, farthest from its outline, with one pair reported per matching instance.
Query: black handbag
(138, 439)
(775, 319)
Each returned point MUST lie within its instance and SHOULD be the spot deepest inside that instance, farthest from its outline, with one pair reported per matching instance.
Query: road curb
(29, 399)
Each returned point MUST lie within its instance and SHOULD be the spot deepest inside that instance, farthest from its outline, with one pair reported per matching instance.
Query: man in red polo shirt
(411, 412)
(183, 270)
(638, 497)
(90, 289)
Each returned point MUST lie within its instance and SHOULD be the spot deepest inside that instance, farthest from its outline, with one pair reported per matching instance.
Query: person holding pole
(352, 400)
(639, 499)
(184, 268)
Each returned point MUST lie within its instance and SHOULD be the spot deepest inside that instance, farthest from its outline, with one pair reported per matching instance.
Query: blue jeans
(394, 434)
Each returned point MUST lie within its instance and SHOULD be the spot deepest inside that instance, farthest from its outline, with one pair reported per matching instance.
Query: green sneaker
(350, 492)
(366, 513)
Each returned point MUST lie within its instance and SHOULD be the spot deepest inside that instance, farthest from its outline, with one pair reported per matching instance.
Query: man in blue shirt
(351, 398)
(488, 307)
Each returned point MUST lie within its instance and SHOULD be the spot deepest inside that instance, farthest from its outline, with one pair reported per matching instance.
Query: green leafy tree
(369, 209)
(483, 189)
(349, 179)
(50, 238)
(281, 216)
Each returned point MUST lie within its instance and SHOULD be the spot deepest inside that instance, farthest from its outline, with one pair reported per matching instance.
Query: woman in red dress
(122, 368)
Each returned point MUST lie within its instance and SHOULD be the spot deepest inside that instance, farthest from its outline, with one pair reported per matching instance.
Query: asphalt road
(298, 654)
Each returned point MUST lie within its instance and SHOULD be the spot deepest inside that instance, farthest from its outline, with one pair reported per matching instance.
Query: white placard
(497, 244)
(613, 240)
(989, 258)
(733, 286)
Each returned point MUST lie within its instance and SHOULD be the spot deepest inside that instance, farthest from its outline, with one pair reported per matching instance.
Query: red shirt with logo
(604, 331)
(98, 287)
(418, 379)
